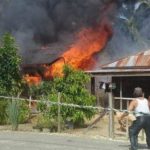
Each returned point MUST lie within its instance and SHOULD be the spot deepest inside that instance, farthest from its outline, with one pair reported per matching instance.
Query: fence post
(111, 116)
(121, 101)
(127, 123)
(30, 101)
(59, 119)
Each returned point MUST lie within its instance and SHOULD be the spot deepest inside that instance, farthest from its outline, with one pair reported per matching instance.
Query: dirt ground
(100, 129)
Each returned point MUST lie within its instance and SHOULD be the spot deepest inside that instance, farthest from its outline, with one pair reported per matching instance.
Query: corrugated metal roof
(141, 59)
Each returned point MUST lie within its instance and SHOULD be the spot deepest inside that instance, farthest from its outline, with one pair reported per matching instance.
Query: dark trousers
(142, 122)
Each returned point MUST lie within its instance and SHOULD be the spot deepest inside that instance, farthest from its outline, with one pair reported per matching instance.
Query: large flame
(80, 54)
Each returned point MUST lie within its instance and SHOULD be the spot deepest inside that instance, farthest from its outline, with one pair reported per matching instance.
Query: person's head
(138, 92)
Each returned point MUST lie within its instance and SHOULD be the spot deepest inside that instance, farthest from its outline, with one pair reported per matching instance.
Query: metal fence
(110, 111)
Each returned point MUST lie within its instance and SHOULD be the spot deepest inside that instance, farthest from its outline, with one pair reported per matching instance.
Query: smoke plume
(131, 28)
(51, 24)
(45, 22)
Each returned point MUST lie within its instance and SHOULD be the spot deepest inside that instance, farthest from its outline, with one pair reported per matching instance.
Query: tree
(10, 78)
(72, 87)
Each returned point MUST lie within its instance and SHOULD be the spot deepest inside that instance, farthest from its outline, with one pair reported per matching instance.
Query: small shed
(124, 74)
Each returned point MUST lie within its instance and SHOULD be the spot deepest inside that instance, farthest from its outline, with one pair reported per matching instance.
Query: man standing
(141, 110)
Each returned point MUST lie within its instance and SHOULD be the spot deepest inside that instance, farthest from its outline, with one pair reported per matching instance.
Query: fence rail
(109, 109)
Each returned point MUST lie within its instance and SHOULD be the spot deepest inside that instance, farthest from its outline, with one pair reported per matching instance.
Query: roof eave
(120, 72)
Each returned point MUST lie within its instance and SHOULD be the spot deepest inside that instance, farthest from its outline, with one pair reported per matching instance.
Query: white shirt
(142, 107)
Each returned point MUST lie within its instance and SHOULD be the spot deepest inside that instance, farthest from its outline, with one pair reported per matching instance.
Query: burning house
(83, 34)
(80, 54)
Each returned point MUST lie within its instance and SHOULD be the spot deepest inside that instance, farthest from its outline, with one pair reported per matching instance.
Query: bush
(10, 60)
(43, 121)
(73, 90)
(18, 112)
(3, 113)
(13, 114)
(24, 112)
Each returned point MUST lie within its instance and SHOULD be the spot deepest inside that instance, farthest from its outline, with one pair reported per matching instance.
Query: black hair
(138, 92)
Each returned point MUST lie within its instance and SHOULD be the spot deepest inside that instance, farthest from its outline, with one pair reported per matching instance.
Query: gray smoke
(52, 23)
(35, 23)
(131, 29)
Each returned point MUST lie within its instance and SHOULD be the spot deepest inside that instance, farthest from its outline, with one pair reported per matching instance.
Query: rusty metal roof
(135, 65)
(141, 59)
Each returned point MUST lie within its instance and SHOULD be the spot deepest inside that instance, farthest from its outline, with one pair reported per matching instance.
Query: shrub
(43, 121)
(24, 112)
(13, 114)
(3, 113)
(10, 79)
(73, 90)
(18, 112)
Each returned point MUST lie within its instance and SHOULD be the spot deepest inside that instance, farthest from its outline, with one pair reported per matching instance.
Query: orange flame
(80, 54)
(33, 80)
